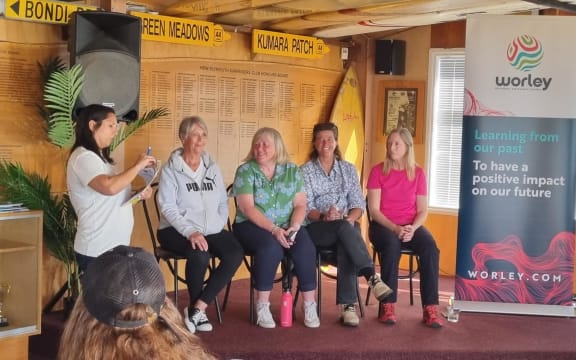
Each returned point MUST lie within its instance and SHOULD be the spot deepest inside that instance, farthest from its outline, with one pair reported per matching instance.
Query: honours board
(235, 99)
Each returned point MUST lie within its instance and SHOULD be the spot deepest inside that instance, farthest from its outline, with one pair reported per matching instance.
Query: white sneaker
(264, 317)
(311, 314)
(198, 321)
(348, 317)
(379, 288)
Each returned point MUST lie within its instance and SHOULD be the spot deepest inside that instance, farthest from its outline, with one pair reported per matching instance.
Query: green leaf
(131, 127)
(61, 92)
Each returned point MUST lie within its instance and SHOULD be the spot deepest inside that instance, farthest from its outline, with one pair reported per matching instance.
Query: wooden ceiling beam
(118, 6)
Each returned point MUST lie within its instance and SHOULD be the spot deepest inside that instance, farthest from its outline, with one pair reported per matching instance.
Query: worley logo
(525, 53)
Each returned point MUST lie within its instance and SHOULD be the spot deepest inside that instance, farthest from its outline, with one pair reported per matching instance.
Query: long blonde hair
(409, 160)
(281, 156)
(163, 338)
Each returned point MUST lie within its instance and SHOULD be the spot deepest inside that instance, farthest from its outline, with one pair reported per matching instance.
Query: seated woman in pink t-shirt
(398, 205)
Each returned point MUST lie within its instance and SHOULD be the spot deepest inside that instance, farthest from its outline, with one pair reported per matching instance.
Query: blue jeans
(268, 253)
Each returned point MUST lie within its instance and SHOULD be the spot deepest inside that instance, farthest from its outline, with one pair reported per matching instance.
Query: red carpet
(476, 337)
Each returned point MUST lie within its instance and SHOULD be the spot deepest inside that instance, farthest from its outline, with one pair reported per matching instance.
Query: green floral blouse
(274, 198)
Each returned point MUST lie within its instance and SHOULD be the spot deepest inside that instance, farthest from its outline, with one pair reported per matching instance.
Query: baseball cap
(119, 278)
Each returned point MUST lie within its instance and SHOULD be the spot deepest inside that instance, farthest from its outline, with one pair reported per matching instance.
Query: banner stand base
(517, 309)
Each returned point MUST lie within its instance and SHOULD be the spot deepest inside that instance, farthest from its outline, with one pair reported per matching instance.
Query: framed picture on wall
(401, 104)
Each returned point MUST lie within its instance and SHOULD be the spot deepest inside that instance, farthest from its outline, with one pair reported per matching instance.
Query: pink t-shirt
(398, 194)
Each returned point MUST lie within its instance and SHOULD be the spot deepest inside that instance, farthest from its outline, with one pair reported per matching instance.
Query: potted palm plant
(62, 85)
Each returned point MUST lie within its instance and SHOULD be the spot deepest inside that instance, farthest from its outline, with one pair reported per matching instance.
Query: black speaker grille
(107, 45)
(102, 69)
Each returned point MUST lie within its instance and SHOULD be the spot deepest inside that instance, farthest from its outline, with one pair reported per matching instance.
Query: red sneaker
(387, 315)
(431, 316)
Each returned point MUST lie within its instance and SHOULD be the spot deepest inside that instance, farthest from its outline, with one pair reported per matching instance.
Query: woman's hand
(145, 161)
(198, 241)
(333, 214)
(113, 184)
(407, 233)
(353, 215)
(146, 193)
(281, 235)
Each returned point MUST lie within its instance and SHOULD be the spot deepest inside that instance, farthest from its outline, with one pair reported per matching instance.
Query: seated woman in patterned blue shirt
(335, 203)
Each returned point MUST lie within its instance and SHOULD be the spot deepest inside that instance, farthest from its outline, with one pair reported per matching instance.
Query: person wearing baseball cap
(124, 297)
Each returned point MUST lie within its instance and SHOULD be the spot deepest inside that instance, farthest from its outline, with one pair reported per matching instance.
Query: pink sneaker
(387, 315)
(431, 316)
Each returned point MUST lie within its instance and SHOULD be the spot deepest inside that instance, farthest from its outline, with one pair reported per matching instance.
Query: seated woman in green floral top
(269, 191)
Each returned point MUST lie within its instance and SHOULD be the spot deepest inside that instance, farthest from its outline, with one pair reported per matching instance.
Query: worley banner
(516, 221)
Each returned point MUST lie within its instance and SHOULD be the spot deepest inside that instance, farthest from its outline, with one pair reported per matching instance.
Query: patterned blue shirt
(341, 187)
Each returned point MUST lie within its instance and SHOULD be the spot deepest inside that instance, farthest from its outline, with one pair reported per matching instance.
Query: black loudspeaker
(107, 45)
(390, 57)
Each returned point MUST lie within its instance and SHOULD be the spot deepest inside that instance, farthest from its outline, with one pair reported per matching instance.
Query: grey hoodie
(188, 206)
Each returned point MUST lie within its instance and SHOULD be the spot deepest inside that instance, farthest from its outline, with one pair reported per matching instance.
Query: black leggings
(388, 245)
(223, 245)
(353, 258)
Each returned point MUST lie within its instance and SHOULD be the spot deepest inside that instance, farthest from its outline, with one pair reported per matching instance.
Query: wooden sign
(281, 44)
(43, 11)
(181, 31)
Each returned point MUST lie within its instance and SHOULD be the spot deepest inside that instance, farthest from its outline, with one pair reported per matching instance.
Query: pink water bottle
(286, 309)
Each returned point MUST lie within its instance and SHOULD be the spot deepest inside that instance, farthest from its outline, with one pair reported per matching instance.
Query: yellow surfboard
(348, 115)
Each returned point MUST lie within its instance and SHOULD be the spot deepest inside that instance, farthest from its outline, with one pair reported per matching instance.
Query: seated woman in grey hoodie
(193, 213)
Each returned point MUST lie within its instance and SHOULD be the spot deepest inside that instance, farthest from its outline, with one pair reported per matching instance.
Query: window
(444, 138)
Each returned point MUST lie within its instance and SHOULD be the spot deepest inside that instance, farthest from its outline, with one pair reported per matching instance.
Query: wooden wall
(38, 155)
(228, 140)
(32, 42)
(311, 86)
